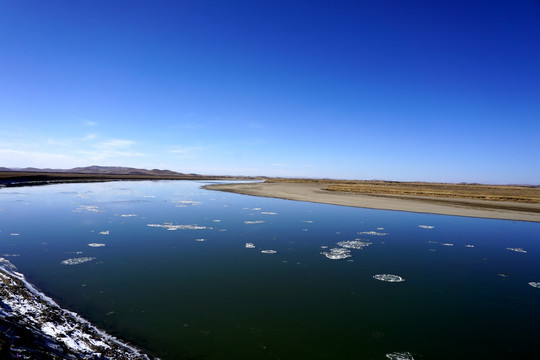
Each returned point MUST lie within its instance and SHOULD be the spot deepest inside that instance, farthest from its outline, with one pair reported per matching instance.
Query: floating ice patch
(172, 227)
(380, 228)
(337, 253)
(269, 251)
(250, 246)
(447, 244)
(469, 246)
(89, 208)
(374, 233)
(14, 234)
(388, 278)
(254, 222)
(187, 202)
(77, 261)
(10, 255)
(519, 250)
(200, 240)
(426, 226)
(535, 284)
(400, 356)
(216, 221)
(128, 215)
(354, 244)
(106, 232)
(96, 245)
(256, 209)
(308, 221)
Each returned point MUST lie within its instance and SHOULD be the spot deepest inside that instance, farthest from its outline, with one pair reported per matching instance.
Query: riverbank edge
(314, 192)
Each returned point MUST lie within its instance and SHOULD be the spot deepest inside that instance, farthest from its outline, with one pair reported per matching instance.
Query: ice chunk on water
(128, 215)
(447, 244)
(254, 222)
(14, 234)
(269, 251)
(400, 356)
(519, 250)
(187, 202)
(250, 246)
(90, 208)
(354, 244)
(200, 240)
(469, 246)
(373, 233)
(426, 226)
(172, 227)
(337, 253)
(388, 278)
(535, 284)
(96, 245)
(76, 261)
(106, 232)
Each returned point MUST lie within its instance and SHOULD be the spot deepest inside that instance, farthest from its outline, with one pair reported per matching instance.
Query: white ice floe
(469, 246)
(250, 246)
(256, 209)
(128, 215)
(269, 251)
(354, 244)
(216, 221)
(400, 356)
(426, 226)
(308, 221)
(337, 253)
(380, 228)
(388, 278)
(96, 245)
(14, 234)
(90, 208)
(187, 202)
(374, 233)
(77, 261)
(254, 222)
(269, 213)
(200, 240)
(172, 227)
(535, 284)
(447, 244)
(10, 255)
(106, 232)
(519, 250)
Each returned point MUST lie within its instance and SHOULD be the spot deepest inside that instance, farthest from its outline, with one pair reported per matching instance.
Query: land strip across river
(508, 202)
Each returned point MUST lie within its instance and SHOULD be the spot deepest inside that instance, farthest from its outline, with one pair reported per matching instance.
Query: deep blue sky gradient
(396, 90)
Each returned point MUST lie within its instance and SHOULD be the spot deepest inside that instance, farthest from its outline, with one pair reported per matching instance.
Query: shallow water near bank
(164, 265)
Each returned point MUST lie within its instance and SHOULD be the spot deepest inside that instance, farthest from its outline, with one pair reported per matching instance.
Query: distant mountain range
(102, 170)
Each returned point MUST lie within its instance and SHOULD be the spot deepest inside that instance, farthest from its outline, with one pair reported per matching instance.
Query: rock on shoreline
(33, 326)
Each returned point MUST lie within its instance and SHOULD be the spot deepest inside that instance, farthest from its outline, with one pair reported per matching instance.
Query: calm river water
(164, 265)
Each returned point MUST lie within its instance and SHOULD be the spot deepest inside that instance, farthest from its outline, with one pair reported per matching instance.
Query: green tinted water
(198, 293)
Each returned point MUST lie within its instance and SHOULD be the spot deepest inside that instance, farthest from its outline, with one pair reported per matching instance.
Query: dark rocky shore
(33, 326)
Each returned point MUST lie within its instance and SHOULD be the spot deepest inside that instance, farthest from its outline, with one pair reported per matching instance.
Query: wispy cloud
(188, 152)
(115, 144)
(90, 123)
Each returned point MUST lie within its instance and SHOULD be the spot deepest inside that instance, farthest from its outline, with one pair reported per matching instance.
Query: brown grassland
(511, 193)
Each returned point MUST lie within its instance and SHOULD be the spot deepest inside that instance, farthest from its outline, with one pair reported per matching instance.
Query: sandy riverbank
(314, 192)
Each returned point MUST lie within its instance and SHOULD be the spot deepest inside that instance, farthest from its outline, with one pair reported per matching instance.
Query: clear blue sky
(395, 90)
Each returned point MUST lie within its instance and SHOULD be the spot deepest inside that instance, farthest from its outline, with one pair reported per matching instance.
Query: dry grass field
(511, 193)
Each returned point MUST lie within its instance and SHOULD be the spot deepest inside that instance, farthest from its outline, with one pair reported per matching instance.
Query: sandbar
(314, 192)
